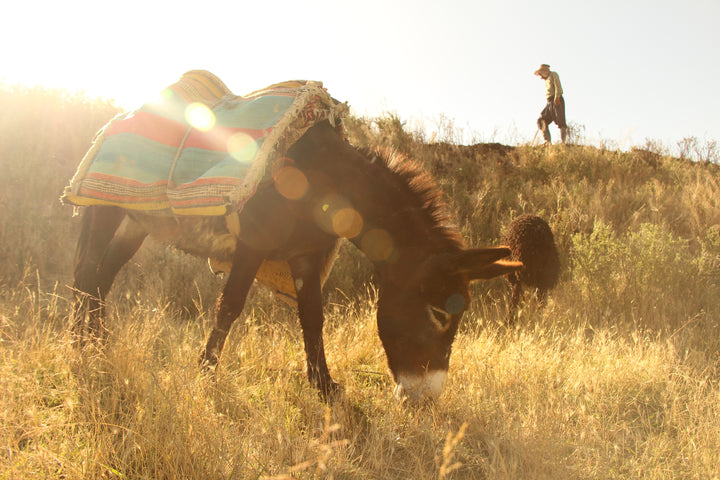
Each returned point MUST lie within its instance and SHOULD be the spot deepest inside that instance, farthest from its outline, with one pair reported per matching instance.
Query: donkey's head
(418, 319)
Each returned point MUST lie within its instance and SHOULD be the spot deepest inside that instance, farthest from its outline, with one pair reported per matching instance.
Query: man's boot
(564, 134)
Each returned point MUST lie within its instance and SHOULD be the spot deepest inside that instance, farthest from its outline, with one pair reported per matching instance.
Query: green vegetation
(617, 377)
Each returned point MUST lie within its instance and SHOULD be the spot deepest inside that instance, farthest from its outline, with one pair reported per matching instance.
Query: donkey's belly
(207, 237)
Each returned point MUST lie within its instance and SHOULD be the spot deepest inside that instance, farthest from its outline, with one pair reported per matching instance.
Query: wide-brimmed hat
(543, 68)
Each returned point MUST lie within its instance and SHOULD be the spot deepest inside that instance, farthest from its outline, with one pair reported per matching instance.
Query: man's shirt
(553, 89)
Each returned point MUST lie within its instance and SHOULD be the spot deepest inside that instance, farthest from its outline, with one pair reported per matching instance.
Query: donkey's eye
(440, 315)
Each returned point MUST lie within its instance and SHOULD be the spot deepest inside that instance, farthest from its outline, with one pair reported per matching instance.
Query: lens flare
(291, 183)
(200, 116)
(163, 98)
(242, 147)
(377, 245)
(166, 95)
(326, 208)
(347, 223)
(455, 304)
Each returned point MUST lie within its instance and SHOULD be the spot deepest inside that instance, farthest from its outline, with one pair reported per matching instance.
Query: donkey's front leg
(306, 271)
(231, 302)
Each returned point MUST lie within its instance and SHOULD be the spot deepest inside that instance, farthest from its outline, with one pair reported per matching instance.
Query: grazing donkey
(381, 202)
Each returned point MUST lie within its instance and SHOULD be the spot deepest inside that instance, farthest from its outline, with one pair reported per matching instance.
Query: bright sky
(631, 70)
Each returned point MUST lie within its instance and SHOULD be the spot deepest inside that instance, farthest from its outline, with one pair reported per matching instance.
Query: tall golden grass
(617, 377)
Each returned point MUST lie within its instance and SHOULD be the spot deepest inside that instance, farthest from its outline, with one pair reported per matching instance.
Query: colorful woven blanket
(198, 149)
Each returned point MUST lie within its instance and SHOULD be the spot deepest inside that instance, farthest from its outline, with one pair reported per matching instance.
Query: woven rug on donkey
(198, 149)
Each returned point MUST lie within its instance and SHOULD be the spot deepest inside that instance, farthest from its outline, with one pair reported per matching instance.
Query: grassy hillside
(617, 377)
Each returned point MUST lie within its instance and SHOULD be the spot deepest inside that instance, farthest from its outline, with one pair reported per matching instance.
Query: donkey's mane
(420, 187)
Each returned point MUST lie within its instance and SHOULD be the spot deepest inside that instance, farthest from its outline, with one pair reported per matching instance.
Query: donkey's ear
(495, 269)
(484, 263)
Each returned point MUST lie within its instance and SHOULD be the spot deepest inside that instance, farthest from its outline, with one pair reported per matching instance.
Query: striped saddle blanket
(198, 149)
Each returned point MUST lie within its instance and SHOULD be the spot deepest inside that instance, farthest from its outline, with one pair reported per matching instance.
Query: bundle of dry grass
(532, 242)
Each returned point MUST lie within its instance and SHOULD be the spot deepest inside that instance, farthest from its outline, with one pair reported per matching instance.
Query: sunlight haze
(631, 70)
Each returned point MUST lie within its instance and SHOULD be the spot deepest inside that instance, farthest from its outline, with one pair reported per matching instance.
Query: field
(617, 377)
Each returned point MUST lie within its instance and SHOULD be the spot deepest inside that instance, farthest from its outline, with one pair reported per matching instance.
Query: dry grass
(551, 399)
(618, 377)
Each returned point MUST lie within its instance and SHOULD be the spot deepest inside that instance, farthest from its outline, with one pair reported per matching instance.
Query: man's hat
(543, 68)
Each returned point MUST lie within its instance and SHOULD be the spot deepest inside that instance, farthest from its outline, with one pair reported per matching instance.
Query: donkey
(384, 204)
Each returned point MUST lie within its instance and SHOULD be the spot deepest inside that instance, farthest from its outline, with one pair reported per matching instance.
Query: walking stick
(534, 138)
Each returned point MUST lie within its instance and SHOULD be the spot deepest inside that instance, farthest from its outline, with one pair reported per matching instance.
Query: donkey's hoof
(207, 362)
(330, 390)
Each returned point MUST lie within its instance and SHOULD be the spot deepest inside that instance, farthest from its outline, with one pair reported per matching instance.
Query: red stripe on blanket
(170, 132)
(221, 181)
(123, 180)
(90, 193)
(153, 127)
(216, 200)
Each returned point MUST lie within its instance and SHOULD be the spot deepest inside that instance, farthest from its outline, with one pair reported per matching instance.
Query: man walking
(554, 110)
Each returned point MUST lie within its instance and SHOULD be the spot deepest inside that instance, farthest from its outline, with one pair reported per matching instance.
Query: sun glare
(291, 183)
(200, 116)
(377, 244)
(242, 147)
(347, 223)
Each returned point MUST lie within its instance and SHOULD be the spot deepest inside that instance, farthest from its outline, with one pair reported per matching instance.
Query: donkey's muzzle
(418, 388)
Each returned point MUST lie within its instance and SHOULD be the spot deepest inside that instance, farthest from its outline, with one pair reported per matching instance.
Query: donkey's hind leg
(104, 246)
(246, 262)
(99, 224)
(128, 239)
